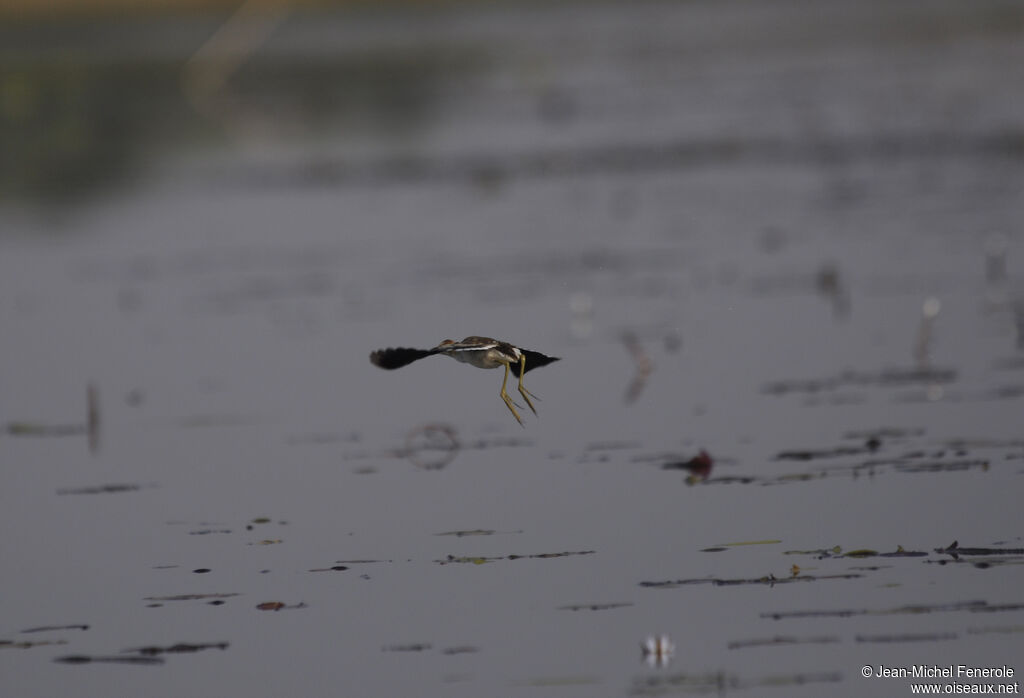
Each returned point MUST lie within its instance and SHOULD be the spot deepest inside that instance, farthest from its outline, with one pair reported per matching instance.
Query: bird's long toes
(526, 396)
(512, 408)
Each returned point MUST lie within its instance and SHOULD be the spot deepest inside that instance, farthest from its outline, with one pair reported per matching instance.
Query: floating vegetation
(989, 557)
(907, 637)
(335, 568)
(594, 606)
(962, 445)
(884, 433)
(955, 551)
(900, 552)
(427, 646)
(867, 459)
(474, 532)
(941, 466)
(837, 552)
(768, 580)
(410, 647)
(557, 681)
(433, 450)
(1001, 630)
(179, 648)
(823, 453)
(890, 377)
(114, 659)
(778, 640)
(722, 547)
(479, 560)
(90, 428)
(279, 606)
(913, 609)
(208, 529)
(114, 488)
(819, 553)
(935, 392)
(498, 442)
(51, 628)
(28, 644)
(736, 480)
(720, 683)
(191, 597)
(40, 429)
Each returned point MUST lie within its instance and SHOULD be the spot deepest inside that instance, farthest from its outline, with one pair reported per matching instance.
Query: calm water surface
(791, 240)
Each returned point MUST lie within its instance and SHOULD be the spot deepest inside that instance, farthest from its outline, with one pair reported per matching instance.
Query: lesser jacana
(482, 352)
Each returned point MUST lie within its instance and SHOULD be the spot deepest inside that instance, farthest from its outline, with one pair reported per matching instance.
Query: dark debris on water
(280, 606)
(910, 610)
(594, 606)
(768, 580)
(114, 488)
(906, 637)
(28, 644)
(955, 551)
(782, 640)
(890, 377)
(109, 659)
(408, 647)
(214, 597)
(481, 559)
(837, 552)
(178, 648)
(721, 683)
(50, 628)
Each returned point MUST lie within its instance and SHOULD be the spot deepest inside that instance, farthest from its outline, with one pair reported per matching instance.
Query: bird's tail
(398, 357)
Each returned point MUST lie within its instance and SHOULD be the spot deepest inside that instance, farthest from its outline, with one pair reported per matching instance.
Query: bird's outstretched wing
(397, 357)
(534, 359)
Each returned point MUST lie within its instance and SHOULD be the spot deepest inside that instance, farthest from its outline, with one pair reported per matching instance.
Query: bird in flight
(482, 352)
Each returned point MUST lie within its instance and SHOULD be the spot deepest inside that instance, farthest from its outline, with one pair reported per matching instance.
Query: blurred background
(101, 94)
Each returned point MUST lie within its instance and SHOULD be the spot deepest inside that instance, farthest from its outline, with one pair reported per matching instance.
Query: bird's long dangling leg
(508, 400)
(522, 389)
